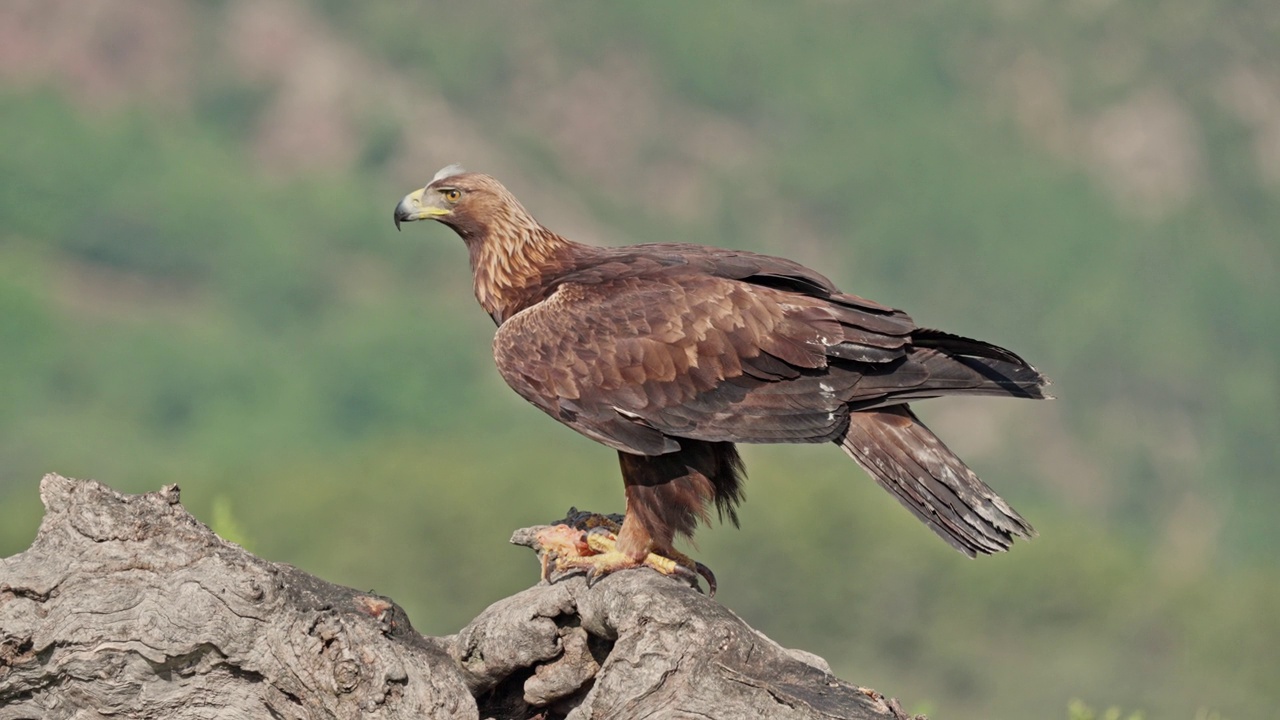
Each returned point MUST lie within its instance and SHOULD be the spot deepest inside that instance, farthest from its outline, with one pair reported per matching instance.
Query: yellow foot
(595, 550)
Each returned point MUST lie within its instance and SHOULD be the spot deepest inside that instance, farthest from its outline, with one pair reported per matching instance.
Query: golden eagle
(672, 353)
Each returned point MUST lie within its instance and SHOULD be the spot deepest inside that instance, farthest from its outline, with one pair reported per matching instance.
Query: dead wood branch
(127, 606)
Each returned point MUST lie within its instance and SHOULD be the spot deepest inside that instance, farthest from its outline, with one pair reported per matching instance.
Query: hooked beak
(412, 207)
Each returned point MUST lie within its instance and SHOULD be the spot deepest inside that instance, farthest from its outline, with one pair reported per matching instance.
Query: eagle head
(467, 202)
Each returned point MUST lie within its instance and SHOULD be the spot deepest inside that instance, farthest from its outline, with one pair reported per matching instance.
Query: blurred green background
(200, 283)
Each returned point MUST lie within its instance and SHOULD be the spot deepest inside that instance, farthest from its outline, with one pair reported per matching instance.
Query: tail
(944, 364)
(974, 367)
(908, 460)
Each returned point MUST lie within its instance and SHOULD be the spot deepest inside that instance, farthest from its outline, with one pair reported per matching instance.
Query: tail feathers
(960, 345)
(970, 375)
(976, 367)
(908, 460)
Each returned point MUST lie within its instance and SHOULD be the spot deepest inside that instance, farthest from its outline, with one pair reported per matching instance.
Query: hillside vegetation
(200, 282)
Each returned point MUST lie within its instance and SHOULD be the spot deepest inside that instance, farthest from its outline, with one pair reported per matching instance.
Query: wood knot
(346, 675)
(253, 590)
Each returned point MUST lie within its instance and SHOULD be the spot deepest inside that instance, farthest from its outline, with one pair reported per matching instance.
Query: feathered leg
(666, 495)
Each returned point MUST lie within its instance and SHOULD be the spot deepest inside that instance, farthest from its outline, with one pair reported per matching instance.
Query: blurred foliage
(224, 522)
(1077, 710)
(174, 309)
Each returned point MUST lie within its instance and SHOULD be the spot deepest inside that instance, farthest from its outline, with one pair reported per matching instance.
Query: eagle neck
(512, 264)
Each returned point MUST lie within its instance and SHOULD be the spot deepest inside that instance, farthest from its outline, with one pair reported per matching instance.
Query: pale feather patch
(448, 171)
(627, 414)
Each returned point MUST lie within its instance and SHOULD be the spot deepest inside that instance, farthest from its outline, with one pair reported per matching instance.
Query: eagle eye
(451, 194)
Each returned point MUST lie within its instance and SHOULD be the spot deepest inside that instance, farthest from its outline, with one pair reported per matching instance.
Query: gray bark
(127, 606)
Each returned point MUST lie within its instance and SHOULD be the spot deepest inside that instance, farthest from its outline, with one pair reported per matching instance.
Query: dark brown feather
(670, 494)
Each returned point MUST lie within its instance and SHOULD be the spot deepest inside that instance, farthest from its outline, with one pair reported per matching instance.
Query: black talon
(709, 576)
(688, 576)
(685, 574)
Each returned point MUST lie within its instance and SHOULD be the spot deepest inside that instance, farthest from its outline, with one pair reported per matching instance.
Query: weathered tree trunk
(127, 606)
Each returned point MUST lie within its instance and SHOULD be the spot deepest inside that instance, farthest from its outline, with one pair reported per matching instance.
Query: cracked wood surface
(127, 606)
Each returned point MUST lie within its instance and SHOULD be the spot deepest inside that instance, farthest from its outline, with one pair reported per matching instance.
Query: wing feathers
(712, 359)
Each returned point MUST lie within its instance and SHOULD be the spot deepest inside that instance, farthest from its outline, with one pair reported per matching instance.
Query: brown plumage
(670, 354)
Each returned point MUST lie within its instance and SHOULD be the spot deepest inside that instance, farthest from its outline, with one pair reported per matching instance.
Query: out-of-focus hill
(199, 281)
